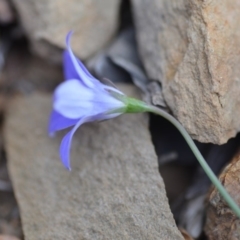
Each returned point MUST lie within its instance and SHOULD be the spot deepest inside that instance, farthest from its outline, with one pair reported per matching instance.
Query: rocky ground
(133, 177)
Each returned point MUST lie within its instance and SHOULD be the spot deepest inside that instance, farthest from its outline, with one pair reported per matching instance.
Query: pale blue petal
(69, 68)
(72, 99)
(81, 73)
(109, 88)
(66, 144)
(106, 116)
(58, 122)
(75, 69)
(73, 89)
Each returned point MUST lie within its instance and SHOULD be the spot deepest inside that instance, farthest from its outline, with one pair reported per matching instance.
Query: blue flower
(80, 99)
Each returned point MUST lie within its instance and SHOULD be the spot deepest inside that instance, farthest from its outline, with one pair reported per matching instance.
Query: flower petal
(65, 146)
(75, 69)
(58, 122)
(75, 64)
(66, 143)
(69, 68)
(72, 99)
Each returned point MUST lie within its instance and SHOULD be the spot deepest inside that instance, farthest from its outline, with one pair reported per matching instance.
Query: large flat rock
(192, 48)
(114, 190)
(47, 22)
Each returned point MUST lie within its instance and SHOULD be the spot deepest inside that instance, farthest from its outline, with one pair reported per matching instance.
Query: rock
(221, 222)
(10, 224)
(113, 192)
(30, 73)
(6, 237)
(47, 22)
(7, 15)
(192, 48)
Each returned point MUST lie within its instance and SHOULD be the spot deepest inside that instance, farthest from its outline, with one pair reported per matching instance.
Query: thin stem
(199, 157)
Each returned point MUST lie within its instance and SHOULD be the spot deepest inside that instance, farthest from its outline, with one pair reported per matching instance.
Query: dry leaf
(184, 233)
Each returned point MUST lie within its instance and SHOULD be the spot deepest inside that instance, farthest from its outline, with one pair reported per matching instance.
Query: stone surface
(7, 15)
(47, 22)
(6, 237)
(193, 49)
(221, 222)
(10, 224)
(113, 192)
(23, 72)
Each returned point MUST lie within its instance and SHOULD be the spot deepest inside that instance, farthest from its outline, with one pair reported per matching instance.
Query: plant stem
(232, 204)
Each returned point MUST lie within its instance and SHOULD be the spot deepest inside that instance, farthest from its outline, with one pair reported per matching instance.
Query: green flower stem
(199, 157)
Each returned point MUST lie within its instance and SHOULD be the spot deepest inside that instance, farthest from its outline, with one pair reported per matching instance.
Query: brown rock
(193, 48)
(113, 192)
(221, 222)
(6, 237)
(48, 21)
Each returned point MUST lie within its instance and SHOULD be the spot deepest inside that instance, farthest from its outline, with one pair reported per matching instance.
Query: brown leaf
(184, 233)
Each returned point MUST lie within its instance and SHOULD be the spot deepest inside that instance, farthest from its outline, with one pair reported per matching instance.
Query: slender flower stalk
(82, 98)
(229, 200)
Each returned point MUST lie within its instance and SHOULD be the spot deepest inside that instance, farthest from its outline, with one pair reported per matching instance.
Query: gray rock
(113, 192)
(47, 22)
(7, 15)
(192, 48)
